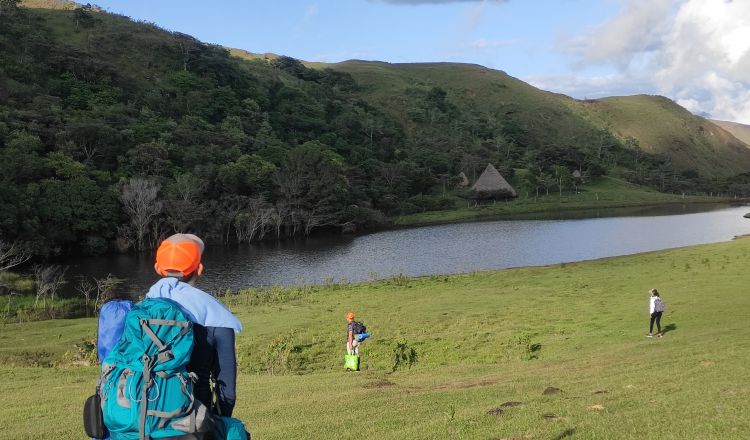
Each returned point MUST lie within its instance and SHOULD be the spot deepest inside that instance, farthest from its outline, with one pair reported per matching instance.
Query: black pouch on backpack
(93, 420)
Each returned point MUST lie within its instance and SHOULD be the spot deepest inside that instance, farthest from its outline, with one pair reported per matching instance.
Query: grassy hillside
(521, 117)
(740, 131)
(480, 340)
(661, 126)
(657, 123)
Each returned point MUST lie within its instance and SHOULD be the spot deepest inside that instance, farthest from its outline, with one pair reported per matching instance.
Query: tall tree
(139, 200)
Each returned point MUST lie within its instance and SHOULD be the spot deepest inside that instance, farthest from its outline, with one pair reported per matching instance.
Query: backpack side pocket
(93, 420)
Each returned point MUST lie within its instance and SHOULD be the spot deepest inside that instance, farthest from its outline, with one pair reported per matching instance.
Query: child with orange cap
(178, 261)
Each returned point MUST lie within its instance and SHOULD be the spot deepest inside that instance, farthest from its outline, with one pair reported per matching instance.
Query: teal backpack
(145, 389)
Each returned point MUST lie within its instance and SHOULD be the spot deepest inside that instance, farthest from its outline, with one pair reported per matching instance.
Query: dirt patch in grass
(551, 390)
(550, 416)
(466, 384)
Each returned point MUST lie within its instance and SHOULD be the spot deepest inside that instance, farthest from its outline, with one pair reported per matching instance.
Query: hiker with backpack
(356, 333)
(178, 261)
(175, 353)
(656, 308)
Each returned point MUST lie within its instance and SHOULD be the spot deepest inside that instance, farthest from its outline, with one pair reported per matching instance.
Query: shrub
(84, 354)
(276, 355)
(404, 355)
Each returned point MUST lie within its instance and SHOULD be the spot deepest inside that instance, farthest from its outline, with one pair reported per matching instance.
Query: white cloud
(591, 87)
(694, 51)
(638, 28)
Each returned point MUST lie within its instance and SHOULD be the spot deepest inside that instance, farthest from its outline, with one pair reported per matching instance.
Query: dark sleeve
(226, 374)
(201, 363)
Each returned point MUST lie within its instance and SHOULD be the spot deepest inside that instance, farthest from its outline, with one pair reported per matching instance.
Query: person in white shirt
(655, 308)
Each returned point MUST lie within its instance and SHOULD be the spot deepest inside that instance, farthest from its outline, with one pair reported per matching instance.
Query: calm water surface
(440, 249)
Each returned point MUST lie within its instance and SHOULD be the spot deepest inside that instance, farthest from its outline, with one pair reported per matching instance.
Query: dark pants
(655, 317)
(214, 357)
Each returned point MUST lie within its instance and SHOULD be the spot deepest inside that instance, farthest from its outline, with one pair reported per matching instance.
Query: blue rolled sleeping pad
(362, 336)
(111, 325)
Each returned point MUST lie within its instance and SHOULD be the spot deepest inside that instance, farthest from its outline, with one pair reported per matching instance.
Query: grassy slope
(740, 131)
(662, 126)
(483, 90)
(659, 124)
(472, 334)
(604, 193)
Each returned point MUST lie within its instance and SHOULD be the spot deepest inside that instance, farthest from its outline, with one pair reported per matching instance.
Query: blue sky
(584, 48)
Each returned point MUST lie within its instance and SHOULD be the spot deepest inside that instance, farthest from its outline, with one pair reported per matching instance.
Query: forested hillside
(114, 133)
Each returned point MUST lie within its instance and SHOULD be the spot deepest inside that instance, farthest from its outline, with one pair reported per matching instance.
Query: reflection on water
(428, 250)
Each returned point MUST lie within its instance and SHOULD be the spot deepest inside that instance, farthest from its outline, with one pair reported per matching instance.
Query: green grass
(662, 126)
(605, 193)
(17, 283)
(481, 340)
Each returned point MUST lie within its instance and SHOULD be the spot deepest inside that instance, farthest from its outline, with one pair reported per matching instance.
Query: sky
(696, 52)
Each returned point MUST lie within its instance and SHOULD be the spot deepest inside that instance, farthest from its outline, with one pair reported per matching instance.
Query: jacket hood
(200, 307)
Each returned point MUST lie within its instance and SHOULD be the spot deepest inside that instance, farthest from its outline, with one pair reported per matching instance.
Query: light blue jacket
(200, 307)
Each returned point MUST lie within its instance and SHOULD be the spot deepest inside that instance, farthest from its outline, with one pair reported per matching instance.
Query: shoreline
(549, 211)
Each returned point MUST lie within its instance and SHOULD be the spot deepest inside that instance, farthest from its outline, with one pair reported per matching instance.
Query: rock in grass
(495, 412)
(551, 390)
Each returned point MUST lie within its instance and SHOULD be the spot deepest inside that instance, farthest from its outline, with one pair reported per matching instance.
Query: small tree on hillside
(563, 177)
(105, 289)
(86, 288)
(83, 18)
(48, 281)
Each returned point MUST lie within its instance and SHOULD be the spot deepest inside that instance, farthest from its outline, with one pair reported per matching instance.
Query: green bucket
(351, 362)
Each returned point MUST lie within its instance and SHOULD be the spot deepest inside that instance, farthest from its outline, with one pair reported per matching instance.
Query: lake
(442, 249)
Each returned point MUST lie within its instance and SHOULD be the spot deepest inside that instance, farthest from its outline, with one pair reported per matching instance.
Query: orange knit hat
(179, 255)
(350, 315)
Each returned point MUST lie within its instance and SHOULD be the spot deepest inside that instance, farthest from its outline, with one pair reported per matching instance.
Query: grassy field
(605, 193)
(475, 341)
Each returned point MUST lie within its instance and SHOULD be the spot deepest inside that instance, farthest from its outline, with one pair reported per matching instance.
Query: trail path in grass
(480, 340)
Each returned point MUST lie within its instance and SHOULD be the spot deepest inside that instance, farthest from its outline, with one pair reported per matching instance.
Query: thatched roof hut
(492, 184)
